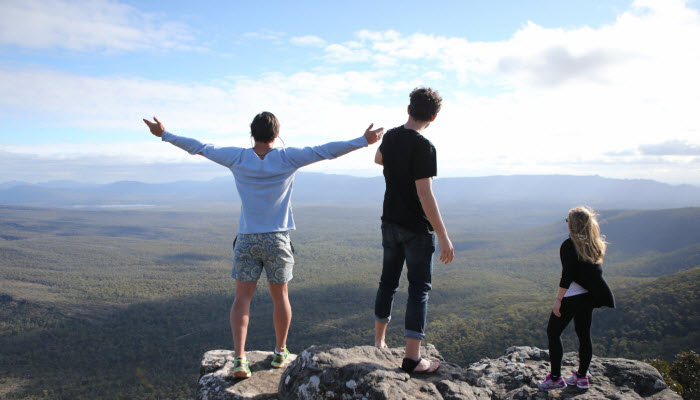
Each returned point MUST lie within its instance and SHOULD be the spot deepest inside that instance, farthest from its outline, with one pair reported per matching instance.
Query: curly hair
(425, 104)
(265, 127)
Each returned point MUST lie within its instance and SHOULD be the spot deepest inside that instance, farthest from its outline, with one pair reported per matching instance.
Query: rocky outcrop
(326, 372)
(365, 372)
(216, 380)
(515, 376)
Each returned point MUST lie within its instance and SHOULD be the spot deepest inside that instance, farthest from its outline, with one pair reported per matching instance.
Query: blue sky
(536, 87)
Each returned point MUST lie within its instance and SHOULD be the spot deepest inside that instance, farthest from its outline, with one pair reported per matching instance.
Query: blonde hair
(585, 233)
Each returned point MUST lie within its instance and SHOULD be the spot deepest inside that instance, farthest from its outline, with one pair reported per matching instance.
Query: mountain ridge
(498, 191)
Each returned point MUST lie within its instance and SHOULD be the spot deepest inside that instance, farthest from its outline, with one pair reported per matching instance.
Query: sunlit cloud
(645, 39)
(66, 100)
(309, 102)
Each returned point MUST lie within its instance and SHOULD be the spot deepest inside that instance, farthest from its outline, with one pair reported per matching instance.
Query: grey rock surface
(367, 373)
(216, 380)
(515, 376)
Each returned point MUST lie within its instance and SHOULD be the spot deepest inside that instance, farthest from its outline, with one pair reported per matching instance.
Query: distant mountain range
(493, 192)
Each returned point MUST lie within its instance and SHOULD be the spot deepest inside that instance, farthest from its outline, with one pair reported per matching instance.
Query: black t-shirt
(407, 156)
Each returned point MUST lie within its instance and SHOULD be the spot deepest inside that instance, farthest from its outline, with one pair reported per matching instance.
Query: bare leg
(282, 313)
(413, 352)
(380, 334)
(240, 312)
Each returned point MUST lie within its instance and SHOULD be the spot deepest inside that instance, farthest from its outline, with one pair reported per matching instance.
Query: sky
(582, 87)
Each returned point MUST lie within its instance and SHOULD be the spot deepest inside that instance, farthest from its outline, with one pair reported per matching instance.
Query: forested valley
(122, 303)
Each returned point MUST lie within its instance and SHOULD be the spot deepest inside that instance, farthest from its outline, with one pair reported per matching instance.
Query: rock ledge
(366, 373)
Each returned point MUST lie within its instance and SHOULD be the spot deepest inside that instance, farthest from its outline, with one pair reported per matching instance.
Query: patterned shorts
(254, 251)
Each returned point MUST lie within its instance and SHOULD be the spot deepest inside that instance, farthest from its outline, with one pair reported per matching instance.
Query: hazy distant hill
(556, 189)
(647, 243)
(494, 192)
(632, 233)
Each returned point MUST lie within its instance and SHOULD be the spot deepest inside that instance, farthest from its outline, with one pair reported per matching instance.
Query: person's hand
(156, 128)
(373, 136)
(447, 252)
(557, 306)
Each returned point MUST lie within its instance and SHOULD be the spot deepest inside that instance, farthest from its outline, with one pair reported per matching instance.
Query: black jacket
(588, 275)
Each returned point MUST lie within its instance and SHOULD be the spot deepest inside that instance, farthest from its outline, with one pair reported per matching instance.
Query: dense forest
(123, 303)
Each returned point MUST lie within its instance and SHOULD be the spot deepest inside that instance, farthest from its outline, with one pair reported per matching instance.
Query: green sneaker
(240, 368)
(278, 360)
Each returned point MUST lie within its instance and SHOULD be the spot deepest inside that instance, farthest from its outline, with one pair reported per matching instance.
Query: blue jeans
(416, 249)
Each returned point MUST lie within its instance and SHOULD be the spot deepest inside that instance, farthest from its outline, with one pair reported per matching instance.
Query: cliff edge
(367, 373)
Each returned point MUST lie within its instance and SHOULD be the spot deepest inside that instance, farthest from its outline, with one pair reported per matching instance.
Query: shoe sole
(241, 374)
(277, 366)
(554, 388)
(577, 385)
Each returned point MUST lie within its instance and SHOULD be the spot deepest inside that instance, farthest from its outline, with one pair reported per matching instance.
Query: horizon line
(71, 181)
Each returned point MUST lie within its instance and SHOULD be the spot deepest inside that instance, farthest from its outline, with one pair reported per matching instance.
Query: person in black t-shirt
(410, 221)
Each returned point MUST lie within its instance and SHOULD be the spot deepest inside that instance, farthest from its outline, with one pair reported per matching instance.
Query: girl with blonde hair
(581, 289)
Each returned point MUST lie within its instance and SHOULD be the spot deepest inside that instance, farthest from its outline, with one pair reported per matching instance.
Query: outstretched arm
(225, 156)
(430, 207)
(308, 155)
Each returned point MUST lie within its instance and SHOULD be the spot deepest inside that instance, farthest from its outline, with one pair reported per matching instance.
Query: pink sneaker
(574, 380)
(548, 384)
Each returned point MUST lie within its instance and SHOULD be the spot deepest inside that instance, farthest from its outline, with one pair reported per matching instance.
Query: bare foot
(380, 345)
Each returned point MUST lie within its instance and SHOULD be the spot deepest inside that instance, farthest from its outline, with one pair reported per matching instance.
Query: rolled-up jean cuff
(382, 320)
(413, 334)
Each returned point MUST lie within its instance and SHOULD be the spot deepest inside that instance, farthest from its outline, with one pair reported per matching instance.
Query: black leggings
(580, 309)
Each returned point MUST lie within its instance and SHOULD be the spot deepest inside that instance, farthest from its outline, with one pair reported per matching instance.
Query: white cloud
(546, 100)
(313, 108)
(558, 97)
(671, 148)
(87, 25)
(347, 53)
(433, 76)
(112, 102)
(652, 37)
(308, 40)
(151, 150)
(104, 167)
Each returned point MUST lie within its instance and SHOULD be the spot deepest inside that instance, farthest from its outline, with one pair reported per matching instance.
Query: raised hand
(373, 136)
(156, 128)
